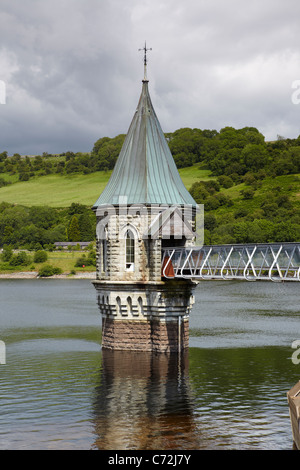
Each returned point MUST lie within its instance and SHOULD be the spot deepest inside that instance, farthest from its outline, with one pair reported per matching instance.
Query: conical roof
(145, 171)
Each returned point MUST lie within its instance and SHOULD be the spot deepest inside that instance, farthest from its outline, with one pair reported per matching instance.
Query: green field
(253, 208)
(65, 260)
(56, 190)
(61, 191)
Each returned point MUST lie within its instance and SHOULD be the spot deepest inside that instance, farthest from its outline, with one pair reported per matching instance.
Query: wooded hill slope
(250, 188)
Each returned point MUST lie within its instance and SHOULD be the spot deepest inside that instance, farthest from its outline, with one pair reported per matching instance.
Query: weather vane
(145, 59)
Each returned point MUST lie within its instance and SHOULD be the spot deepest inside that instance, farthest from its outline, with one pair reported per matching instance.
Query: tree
(85, 227)
(40, 256)
(247, 193)
(7, 253)
(43, 216)
(3, 156)
(224, 200)
(211, 203)
(225, 181)
(37, 163)
(286, 232)
(57, 234)
(210, 222)
(86, 261)
(199, 192)
(73, 230)
(76, 208)
(269, 210)
(8, 234)
(254, 156)
(241, 231)
(14, 218)
(105, 152)
(49, 270)
(20, 259)
(260, 231)
(24, 176)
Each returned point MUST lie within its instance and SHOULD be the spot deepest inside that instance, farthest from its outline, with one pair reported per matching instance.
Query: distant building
(67, 245)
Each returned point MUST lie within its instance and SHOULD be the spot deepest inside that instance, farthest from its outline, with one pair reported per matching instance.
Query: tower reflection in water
(144, 402)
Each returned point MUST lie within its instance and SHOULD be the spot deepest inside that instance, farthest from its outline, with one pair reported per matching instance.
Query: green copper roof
(145, 171)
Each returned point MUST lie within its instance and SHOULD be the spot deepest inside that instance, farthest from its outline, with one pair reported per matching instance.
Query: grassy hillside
(262, 212)
(250, 188)
(62, 190)
(56, 190)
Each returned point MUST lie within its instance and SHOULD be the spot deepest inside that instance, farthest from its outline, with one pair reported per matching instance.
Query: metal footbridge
(251, 262)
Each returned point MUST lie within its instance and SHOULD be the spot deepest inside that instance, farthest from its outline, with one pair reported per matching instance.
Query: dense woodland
(252, 194)
(39, 227)
(230, 152)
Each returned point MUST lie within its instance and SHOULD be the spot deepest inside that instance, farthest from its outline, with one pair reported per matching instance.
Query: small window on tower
(129, 250)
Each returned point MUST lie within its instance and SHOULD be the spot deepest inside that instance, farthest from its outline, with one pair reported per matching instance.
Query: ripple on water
(60, 391)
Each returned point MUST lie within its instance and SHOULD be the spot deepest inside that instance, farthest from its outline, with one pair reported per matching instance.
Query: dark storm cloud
(73, 70)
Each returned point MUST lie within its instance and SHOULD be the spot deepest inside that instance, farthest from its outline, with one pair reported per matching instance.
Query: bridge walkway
(251, 262)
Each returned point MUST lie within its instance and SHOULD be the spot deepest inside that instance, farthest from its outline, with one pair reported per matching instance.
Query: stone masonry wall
(140, 311)
(145, 317)
(147, 265)
(148, 335)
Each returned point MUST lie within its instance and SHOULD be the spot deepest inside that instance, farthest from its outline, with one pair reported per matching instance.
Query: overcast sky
(73, 72)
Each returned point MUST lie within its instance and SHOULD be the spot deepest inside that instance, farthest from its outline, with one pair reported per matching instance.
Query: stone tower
(144, 207)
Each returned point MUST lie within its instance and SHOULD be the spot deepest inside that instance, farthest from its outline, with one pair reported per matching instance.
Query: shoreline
(35, 275)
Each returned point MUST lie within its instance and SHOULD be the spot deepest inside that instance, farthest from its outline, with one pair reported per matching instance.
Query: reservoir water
(59, 390)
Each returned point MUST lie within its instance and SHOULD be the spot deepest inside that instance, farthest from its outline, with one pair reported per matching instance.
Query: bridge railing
(271, 261)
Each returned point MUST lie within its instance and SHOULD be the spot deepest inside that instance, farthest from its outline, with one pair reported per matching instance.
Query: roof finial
(145, 60)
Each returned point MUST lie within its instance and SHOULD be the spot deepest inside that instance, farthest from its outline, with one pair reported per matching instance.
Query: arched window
(129, 250)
